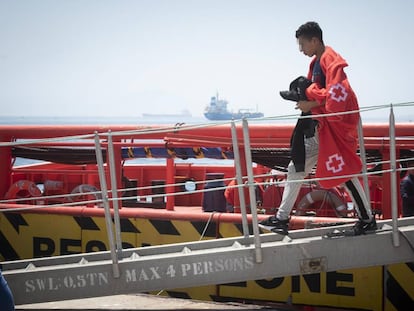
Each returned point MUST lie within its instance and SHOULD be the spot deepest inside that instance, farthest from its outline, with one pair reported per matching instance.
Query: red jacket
(338, 137)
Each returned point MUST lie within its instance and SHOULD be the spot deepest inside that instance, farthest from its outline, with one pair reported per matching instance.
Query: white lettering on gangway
(140, 274)
(67, 282)
(190, 269)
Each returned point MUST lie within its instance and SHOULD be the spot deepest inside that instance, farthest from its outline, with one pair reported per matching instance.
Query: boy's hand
(306, 106)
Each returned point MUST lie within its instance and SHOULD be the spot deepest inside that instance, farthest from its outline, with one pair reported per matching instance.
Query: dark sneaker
(269, 222)
(361, 227)
(275, 225)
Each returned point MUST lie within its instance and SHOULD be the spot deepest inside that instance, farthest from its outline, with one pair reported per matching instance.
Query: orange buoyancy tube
(325, 196)
(23, 189)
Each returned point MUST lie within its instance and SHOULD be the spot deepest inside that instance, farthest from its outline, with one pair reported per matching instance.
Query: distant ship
(217, 110)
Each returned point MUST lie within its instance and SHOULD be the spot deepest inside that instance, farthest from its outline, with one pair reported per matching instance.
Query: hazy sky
(125, 58)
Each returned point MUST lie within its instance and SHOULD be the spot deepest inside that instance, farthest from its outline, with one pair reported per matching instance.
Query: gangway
(204, 263)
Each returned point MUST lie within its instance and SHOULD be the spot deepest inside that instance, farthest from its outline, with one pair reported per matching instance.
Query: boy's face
(308, 46)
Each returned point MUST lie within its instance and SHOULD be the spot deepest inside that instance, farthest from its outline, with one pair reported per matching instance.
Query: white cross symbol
(335, 163)
(338, 92)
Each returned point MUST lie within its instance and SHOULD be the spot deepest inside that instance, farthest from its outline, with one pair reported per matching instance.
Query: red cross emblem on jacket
(335, 163)
(338, 92)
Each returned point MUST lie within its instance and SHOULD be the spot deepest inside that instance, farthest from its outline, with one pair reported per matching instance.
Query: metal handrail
(393, 177)
(108, 218)
(114, 187)
(252, 194)
(364, 161)
(239, 179)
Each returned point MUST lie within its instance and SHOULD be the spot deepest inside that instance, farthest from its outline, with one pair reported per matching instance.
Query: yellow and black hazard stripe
(7, 252)
(198, 153)
(209, 230)
(158, 232)
(15, 222)
(86, 223)
(130, 152)
(148, 152)
(25, 236)
(399, 289)
(229, 230)
(171, 152)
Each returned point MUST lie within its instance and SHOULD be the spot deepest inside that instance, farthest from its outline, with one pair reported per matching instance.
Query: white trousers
(292, 186)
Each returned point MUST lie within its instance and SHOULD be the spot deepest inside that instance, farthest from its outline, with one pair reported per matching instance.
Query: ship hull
(63, 230)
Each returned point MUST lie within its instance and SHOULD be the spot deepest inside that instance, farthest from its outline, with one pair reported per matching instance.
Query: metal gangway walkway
(249, 257)
(203, 263)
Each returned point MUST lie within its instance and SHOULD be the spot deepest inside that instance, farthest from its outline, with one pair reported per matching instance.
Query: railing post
(364, 160)
(170, 180)
(108, 218)
(393, 174)
(239, 179)
(114, 190)
(252, 193)
(5, 167)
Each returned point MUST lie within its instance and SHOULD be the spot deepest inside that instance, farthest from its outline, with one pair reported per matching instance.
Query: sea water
(86, 120)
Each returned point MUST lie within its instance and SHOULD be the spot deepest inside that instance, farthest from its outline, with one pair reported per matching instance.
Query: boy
(330, 142)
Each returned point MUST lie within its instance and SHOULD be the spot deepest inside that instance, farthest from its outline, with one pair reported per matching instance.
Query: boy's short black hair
(310, 30)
